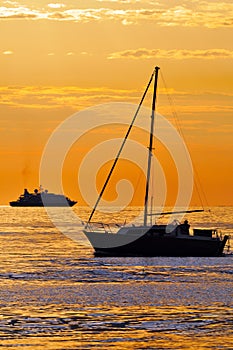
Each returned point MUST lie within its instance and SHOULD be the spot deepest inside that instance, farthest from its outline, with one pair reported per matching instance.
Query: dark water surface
(54, 294)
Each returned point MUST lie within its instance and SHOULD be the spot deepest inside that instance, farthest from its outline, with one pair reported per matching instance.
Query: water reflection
(55, 295)
(117, 327)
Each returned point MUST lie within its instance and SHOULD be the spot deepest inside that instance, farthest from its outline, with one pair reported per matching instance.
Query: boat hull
(149, 245)
(17, 204)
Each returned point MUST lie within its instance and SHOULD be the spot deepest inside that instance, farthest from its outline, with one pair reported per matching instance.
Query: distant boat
(151, 240)
(41, 198)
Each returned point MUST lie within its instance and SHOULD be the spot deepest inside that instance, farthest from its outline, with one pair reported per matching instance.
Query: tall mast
(150, 148)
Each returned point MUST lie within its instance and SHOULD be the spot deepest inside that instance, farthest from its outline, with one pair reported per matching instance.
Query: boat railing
(101, 227)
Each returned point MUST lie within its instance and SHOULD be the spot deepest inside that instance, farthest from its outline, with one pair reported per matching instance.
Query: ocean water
(54, 294)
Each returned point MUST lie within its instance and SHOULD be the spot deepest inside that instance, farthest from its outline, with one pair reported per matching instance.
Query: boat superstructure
(41, 198)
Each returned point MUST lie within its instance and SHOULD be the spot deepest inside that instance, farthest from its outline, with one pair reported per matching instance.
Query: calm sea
(55, 294)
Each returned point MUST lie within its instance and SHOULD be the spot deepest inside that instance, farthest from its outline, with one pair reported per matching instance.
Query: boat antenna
(150, 148)
(120, 150)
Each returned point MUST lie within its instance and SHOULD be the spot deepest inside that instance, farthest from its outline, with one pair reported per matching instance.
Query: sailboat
(146, 239)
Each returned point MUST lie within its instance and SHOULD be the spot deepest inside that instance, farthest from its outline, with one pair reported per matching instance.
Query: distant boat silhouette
(41, 198)
(151, 240)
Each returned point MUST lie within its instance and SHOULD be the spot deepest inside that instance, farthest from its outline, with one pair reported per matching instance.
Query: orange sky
(62, 57)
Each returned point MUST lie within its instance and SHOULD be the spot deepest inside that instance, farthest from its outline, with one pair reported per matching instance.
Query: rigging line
(197, 182)
(120, 150)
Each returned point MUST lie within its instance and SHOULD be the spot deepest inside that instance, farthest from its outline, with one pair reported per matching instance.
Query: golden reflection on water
(55, 295)
(117, 328)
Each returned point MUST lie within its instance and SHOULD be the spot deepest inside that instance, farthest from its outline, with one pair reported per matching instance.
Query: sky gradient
(59, 58)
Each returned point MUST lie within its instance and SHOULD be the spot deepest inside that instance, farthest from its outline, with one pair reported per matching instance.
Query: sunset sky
(62, 57)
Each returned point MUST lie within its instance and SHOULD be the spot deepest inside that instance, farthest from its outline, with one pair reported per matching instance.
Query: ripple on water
(55, 295)
(120, 326)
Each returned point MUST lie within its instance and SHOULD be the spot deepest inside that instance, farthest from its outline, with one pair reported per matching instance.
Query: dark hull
(152, 246)
(27, 204)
